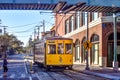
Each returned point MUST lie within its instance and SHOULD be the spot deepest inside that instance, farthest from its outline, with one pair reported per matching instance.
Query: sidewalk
(106, 72)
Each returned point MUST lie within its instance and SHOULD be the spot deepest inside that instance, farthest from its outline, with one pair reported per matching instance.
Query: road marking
(1, 75)
(25, 68)
(23, 75)
(37, 76)
(12, 76)
(30, 78)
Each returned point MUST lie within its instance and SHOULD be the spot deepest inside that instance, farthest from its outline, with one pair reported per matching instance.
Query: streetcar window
(60, 48)
(51, 48)
(68, 48)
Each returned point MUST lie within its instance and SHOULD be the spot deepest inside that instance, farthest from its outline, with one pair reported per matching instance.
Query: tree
(11, 42)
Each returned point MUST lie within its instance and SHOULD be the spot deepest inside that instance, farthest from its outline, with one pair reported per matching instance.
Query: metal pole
(38, 32)
(115, 62)
(38, 28)
(4, 29)
(87, 36)
(43, 26)
(34, 33)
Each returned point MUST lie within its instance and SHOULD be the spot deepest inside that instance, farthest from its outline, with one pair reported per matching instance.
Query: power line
(28, 30)
(24, 25)
(24, 36)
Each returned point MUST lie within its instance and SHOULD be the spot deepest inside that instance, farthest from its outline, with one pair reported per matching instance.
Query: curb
(102, 75)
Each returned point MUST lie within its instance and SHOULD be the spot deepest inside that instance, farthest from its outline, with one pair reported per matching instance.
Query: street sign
(87, 45)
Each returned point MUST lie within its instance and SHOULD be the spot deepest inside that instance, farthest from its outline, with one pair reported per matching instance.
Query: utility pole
(43, 25)
(4, 29)
(38, 28)
(38, 31)
(0, 26)
(34, 33)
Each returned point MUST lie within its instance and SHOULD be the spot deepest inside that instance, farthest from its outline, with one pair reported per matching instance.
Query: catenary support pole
(115, 62)
(87, 36)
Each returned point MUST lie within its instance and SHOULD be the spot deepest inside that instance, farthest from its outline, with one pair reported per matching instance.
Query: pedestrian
(5, 68)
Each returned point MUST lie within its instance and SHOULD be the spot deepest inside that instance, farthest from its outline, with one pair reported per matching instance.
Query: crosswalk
(13, 75)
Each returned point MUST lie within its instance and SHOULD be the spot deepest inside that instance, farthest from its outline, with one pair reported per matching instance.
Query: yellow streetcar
(54, 52)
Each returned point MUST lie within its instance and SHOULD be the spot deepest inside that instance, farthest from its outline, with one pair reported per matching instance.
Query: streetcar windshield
(60, 48)
(51, 49)
(68, 48)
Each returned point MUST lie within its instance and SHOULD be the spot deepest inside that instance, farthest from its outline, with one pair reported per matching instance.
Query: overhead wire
(23, 31)
(25, 25)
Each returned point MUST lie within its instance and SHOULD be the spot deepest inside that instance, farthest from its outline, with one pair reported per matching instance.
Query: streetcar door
(60, 48)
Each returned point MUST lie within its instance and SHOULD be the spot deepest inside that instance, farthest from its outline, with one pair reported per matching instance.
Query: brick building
(73, 25)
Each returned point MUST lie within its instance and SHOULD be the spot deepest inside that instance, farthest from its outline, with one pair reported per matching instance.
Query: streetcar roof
(58, 38)
(52, 38)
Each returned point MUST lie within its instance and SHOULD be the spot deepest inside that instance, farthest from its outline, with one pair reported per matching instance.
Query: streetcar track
(56, 74)
(68, 75)
(81, 72)
(51, 76)
(44, 71)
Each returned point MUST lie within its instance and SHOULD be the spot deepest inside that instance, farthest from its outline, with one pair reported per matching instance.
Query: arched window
(110, 47)
(95, 49)
(83, 54)
(111, 37)
(94, 38)
(77, 50)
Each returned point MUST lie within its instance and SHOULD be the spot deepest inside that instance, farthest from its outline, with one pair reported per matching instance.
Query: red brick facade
(102, 29)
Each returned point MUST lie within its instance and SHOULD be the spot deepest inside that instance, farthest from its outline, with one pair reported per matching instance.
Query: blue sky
(21, 23)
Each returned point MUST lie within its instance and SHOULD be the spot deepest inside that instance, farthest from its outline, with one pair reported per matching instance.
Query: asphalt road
(19, 69)
(16, 69)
